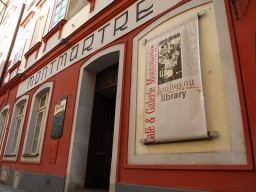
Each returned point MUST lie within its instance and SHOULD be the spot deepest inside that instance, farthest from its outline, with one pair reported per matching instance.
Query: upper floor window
(7, 19)
(65, 9)
(59, 12)
(19, 46)
(18, 55)
(74, 7)
(16, 126)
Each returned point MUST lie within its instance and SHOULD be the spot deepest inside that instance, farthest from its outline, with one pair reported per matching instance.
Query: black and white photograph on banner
(169, 59)
(173, 86)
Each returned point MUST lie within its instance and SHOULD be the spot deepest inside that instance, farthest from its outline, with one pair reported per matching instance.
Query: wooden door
(100, 144)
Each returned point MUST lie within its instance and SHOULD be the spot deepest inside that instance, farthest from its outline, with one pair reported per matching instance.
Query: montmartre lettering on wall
(134, 16)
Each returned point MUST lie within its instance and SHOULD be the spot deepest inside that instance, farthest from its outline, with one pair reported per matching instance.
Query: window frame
(5, 110)
(40, 110)
(17, 129)
(8, 155)
(27, 154)
(60, 18)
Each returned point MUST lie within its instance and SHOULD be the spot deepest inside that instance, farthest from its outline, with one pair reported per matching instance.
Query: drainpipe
(12, 44)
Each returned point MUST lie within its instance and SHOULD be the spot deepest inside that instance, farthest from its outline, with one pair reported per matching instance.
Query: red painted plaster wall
(55, 152)
(245, 39)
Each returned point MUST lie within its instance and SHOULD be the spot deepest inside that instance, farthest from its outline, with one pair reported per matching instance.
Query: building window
(37, 123)
(3, 124)
(20, 45)
(74, 7)
(17, 129)
(18, 55)
(16, 126)
(59, 12)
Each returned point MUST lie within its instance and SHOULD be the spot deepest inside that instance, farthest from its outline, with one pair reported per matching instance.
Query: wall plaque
(58, 119)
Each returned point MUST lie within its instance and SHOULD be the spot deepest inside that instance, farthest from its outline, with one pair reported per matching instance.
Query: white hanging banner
(174, 103)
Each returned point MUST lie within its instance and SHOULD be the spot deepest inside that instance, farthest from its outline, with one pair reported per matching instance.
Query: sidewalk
(4, 188)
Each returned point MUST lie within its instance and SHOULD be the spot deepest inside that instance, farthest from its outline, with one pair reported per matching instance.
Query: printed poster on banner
(174, 102)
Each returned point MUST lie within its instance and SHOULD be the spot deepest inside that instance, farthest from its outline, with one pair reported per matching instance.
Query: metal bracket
(144, 42)
(211, 135)
(201, 13)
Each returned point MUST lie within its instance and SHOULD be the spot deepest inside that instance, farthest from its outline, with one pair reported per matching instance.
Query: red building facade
(76, 106)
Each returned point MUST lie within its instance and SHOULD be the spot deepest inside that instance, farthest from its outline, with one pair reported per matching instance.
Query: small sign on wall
(58, 119)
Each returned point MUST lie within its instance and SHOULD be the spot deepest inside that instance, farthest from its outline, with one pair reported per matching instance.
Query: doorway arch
(79, 143)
